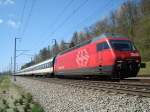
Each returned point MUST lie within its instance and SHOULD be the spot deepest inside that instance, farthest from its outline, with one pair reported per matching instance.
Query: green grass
(37, 108)
(4, 83)
(145, 71)
(14, 99)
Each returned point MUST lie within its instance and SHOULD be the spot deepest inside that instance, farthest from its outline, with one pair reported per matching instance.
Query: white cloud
(1, 21)
(5, 2)
(13, 24)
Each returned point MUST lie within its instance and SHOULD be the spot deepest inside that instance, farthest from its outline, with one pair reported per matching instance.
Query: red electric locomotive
(108, 54)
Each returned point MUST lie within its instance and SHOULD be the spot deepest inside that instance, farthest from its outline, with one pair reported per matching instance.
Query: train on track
(112, 55)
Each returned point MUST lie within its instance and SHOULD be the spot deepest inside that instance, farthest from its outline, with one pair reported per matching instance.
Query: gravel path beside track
(59, 98)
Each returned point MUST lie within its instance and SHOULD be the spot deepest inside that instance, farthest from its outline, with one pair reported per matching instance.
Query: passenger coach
(43, 68)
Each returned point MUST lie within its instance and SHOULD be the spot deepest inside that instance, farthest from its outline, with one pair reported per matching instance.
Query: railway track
(132, 88)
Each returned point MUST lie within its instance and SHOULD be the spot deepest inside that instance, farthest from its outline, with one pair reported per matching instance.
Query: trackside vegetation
(14, 99)
(132, 18)
(145, 71)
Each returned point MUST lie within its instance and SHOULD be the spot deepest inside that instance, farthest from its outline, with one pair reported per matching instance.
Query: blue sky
(40, 18)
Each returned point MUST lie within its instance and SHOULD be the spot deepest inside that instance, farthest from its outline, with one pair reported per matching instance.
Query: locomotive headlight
(119, 65)
(119, 61)
(137, 61)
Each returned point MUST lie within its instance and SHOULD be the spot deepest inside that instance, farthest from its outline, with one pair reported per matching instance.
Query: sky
(38, 22)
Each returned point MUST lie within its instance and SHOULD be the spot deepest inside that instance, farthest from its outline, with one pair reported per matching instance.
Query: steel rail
(140, 89)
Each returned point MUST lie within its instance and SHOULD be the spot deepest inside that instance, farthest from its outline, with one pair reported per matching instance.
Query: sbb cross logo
(82, 58)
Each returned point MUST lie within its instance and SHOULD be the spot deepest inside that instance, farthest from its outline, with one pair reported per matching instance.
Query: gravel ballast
(60, 98)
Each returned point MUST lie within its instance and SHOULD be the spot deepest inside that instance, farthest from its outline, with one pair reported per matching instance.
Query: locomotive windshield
(122, 45)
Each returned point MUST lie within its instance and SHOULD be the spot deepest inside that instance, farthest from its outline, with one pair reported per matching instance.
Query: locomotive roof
(109, 35)
(112, 35)
(104, 35)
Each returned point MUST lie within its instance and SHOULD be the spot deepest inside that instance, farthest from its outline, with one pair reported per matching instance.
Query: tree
(102, 26)
(44, 54)
(81, 36)
(74, 40)
(145, 7)
(113, 22)
(63, 46)
(88, 33)
(132, 19)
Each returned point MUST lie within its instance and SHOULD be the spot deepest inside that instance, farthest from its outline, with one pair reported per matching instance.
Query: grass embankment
(14, 99)
(145, 71)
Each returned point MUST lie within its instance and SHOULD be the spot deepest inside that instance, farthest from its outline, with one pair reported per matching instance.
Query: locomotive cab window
(122, 45)
(102, 46)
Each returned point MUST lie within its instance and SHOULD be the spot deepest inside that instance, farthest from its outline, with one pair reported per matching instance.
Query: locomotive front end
(127, 59)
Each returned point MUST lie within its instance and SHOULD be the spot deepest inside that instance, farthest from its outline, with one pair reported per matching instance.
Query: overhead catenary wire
(88, 17)
(92, 14)
(58, 17)
(22, 17)
(18, 32)
(23, 27)
(66, 19)
(28, 18)
(56, 20)
(26, 23)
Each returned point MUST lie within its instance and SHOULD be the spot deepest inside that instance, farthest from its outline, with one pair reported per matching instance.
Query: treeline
(5, 73)
(131, 19)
